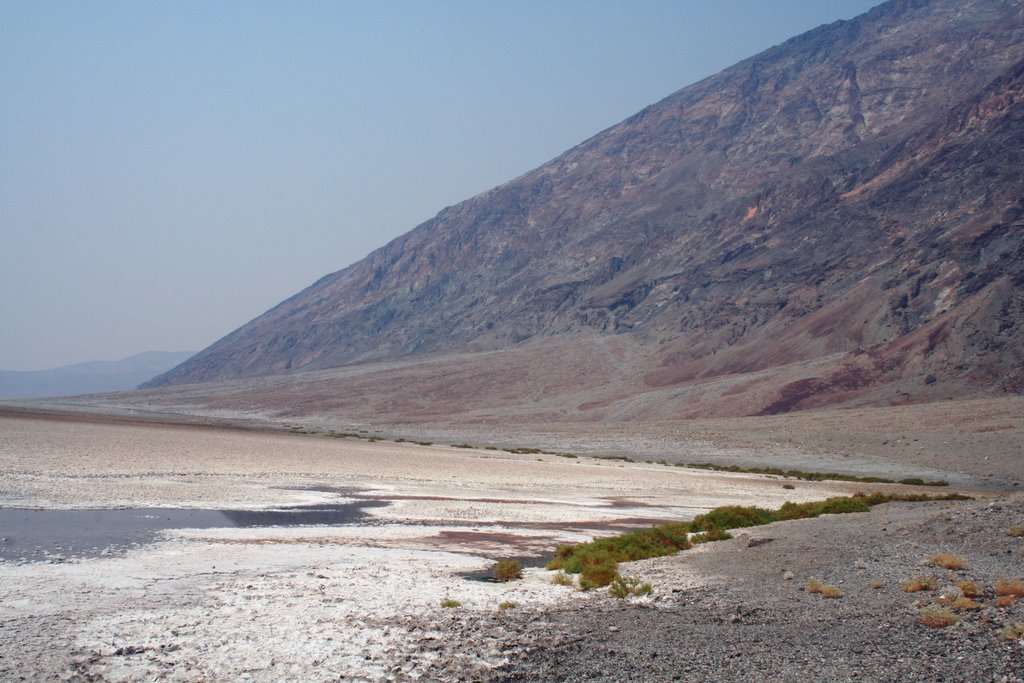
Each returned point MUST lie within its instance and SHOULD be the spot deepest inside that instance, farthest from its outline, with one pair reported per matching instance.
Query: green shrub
(562, 579)
(507, 570)
(732, 517)
(508, 605)
(449, 603)
(624, 586)
(711, 535)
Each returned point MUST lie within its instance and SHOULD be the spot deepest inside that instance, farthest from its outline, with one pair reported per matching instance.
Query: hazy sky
(170, 170)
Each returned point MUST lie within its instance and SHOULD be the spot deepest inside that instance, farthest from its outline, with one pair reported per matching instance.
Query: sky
(171, 170)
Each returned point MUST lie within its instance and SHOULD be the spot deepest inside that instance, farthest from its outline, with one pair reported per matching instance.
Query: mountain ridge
(90, 376)
(750, 219)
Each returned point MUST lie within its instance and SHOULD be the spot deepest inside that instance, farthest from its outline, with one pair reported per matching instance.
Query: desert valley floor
(359, 598)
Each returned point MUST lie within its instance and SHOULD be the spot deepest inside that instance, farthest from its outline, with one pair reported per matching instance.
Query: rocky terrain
(837, 220)
(740, 609)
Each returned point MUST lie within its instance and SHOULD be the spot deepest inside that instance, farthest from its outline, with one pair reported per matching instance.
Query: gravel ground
(739, 610)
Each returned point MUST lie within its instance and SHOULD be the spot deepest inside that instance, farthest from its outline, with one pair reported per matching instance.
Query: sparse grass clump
(562, 579)
(624, 586)
(448, 603)
(1013, 632)
(1016, 531)
(788, 487)
(946, 561)
(937, 617)
(970, 589)
(918, 584)
(1005, 601)
(966, 604)
(877, 584)
(508, 604)
(824, 589)
(507, 570)
(1013, 588)
(830, 591)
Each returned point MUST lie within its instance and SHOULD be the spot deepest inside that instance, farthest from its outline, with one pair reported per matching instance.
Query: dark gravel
(753, 620)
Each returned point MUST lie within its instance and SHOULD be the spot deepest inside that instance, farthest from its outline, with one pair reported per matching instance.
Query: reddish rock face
(850, 202)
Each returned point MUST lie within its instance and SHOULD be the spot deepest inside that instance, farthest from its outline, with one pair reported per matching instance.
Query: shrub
(449, 603)
(918, 583)
(830, 591)
(596, 569)
(624, 586)
(562, 579)
(711, 535)
(508, 605)
(965, 603)
(1013, 632)
(877, 583)
(1005, 601)
(946, 561)
(937, 617)
(826, 590)
(1010, 588)
(970, 589)
(507, 570)
(732, 517)
(1016, 531)
(788, 487)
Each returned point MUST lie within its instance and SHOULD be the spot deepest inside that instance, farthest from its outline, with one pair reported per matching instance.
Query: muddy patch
(56, 535)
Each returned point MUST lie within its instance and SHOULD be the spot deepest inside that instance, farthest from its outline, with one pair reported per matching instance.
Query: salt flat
(310, 603)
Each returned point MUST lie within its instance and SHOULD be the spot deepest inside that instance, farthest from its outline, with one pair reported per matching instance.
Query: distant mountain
(839, 218)
(89, 378)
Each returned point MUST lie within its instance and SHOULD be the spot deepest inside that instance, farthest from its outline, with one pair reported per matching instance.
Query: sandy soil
(306, 603)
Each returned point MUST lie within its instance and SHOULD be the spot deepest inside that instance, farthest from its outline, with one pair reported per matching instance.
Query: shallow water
(48, 535)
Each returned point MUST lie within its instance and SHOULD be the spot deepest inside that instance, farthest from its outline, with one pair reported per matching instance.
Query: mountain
(89, 378)
(837, 219)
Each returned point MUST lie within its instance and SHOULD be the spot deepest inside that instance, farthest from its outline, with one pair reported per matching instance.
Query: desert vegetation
(448, 603)
(946, 561)
(1009, 588)
(624, 586)
(815, 476)
(1012, 631)
(933, 616)
(507, 570)
(597, 561)
(918, 584)
(824, 589)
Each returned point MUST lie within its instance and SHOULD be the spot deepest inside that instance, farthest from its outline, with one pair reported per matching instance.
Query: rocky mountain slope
(840, 218)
